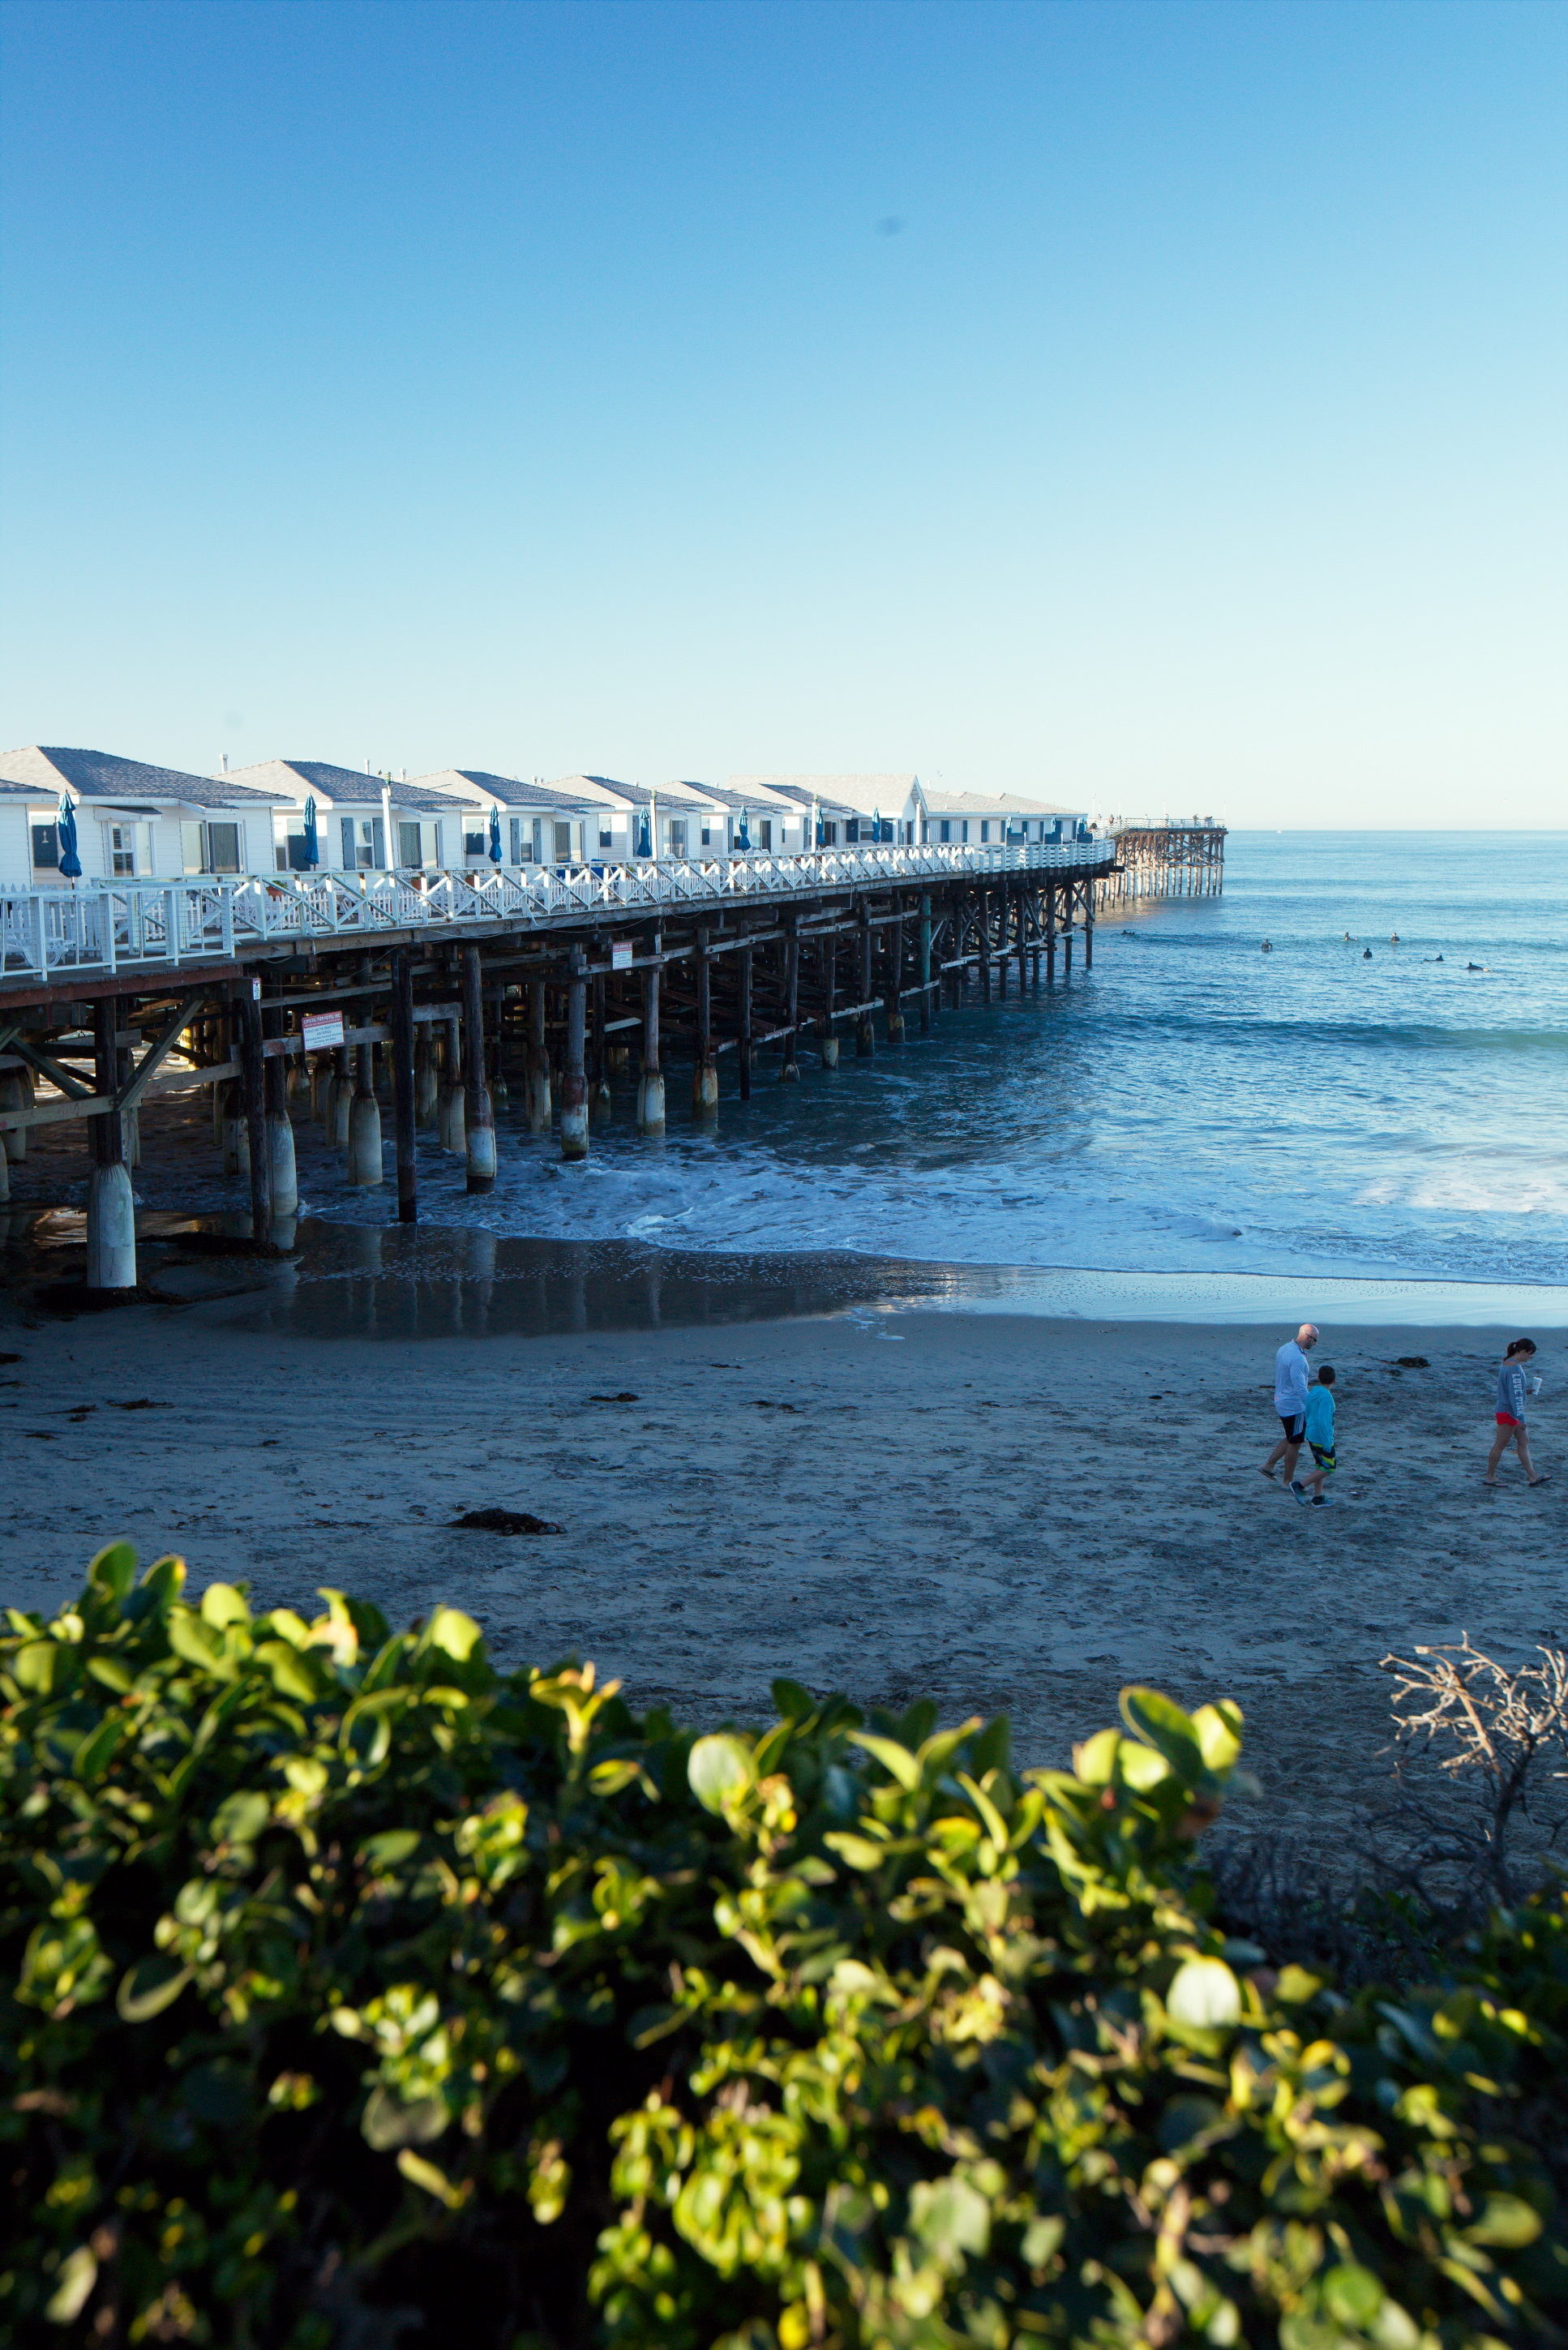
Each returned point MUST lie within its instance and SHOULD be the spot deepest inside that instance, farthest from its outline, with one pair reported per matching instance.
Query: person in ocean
(1511, 1428)
(1291, 1397)
(1320, 1437)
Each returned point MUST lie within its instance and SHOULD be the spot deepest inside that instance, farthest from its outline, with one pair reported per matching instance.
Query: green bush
(352, 1986)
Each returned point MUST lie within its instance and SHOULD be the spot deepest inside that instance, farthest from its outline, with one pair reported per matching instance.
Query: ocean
(1192, 1106)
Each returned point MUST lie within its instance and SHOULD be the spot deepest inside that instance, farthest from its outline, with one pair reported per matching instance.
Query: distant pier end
(1164, 856)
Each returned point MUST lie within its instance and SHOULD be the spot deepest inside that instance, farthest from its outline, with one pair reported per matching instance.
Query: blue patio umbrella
(312, 839)
(494, 836)
(70, 863)
(644, 837)
(744, 839)
(877, 824)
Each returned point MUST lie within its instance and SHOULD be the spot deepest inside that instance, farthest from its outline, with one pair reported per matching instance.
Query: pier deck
(458, 983)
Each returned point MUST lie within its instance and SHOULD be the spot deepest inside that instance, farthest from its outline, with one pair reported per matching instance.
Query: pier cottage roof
(576, 792)
(130, 786)
(299, 779)
(992, 804)
(862, 794)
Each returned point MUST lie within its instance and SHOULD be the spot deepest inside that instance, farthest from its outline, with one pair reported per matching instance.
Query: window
(985, 829)
(852, 830)
(474, 842)
(829, 835)
(963, 829)
(223, 847)
(707, 836)
(45, 849)
(678, 835)
(516, 831)
(409, 845)
(538, 843)
(606, 838)
(119, 851)
(563, 844)
(765, 832)
(291, 847)
(363, 845)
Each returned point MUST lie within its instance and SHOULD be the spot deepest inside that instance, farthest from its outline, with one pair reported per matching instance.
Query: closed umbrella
(312, 838)
(494, 836)
(70, 863)
(743, 837)
(877, 824)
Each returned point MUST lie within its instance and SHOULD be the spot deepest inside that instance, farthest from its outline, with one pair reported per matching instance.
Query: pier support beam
(598, 1083)
(895, 973)
(829, 988)
(865, 1041)
(1050, 935)
(790, 1073)
(744, 958)
(254, 1085)
(538, 1062)
(281, 1171)
(363, 1112)
(426, 1085)
(575, 1081)
(1089, 926)
(340, 1102)
(925, 962)
(650, 1084)
(478, 1124)
(405, 1086)
(112, 1212)
(985, 946)
(705, 1069)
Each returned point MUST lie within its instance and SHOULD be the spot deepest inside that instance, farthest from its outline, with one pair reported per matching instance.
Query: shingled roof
(104, 776)
(349, 786)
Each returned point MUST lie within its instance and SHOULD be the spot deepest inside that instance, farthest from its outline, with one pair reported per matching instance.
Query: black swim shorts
(1296, 1427)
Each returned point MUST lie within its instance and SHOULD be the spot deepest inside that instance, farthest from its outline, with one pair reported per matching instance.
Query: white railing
(108, 926)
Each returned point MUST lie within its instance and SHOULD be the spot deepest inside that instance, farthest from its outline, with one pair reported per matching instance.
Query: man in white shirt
(1291, 1382)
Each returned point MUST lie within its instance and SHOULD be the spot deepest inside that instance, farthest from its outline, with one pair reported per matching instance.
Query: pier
(333, 996)
(1164, 856)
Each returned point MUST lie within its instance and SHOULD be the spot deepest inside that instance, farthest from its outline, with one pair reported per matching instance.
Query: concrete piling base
(895, 1027)
(110, 1230)
(479, 1146)
(574, 1123)
(364, 1139)
(280, 1163)
(705, 1090)
(830, 1051)
(651, 1102)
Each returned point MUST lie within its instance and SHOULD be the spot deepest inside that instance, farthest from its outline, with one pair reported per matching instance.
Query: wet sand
(1008, 1512)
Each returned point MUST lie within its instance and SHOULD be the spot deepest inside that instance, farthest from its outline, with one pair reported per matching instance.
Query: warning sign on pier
(321, 1031)
(620, 954)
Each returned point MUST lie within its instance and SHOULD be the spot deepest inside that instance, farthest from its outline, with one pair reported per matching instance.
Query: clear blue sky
(1160, 404)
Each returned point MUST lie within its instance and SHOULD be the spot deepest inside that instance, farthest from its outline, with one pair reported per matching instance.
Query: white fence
(110, 926)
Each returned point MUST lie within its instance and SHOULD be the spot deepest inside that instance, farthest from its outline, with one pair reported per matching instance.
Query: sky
(1151, 406)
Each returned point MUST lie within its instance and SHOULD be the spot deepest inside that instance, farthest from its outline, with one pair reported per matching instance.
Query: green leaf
(457, 1634)
(795, 1703)
(150, 1986)
(1040, 2239)
(1296, 1985)
(896, 1760)
(35, 1665)
(241, 1817)
(99, 1746)
(198, 1643)
(388, 2122)
(859, 1852)
(113, 1571)
(951, 2219)
(720, 1768)
(1162, 1724)
(222, 1604)
(1204, 1994)
(1219, 1728)
(78, 2274)
(1506, 2220)
(1352, 2294)
(292, 1674)
(388, 1849)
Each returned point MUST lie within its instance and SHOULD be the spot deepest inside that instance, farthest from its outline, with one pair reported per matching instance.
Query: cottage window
(473, 843)
(45, 849)
(409, 845)
(678, 835)
(563, 844)
(765, 832)
(852, 830)
(606, 838)
(707, 836)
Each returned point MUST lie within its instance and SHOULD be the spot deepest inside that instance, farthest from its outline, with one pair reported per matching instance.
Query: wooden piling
(791, 1070)
(1050, 935)
(574, 1081)
(404, 1094)
(925, 962)
(864, 1040)
(478, 1122)
(895, 973)
(254, 1086)
(650, 1085)
(985, 946)
(743, 959)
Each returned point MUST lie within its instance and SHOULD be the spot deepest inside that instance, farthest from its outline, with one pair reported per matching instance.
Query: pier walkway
(317, 991)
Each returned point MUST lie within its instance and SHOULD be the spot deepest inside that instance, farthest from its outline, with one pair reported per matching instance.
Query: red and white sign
(321, 1031)
(620, 954)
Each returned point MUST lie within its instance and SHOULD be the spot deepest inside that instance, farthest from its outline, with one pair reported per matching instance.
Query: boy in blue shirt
(1320, 1436)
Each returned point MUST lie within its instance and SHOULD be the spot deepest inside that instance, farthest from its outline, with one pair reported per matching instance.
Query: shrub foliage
(350, 1986)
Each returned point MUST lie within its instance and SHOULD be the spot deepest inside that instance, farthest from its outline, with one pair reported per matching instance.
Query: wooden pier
(1164, 856)
(436, 993)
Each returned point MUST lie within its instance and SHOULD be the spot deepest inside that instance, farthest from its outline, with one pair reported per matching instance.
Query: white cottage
(429, 829)
(994, 820)
(134, 822)
(852, 810)
(575, 820)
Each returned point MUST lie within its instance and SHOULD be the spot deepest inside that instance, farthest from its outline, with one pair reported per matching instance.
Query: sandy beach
(1010, 1513)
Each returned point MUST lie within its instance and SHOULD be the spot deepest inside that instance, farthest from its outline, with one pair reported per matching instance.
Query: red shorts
(1506, 1420)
